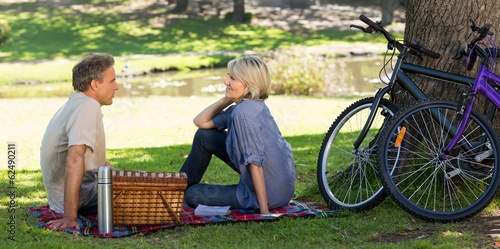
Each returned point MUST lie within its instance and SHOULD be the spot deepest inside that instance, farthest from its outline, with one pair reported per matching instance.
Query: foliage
(298, 73)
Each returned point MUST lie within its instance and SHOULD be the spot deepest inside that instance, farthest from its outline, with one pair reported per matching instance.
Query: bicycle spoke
(428, 183)
(348, 177)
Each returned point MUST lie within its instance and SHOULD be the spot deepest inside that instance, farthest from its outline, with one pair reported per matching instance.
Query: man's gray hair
(91, 67)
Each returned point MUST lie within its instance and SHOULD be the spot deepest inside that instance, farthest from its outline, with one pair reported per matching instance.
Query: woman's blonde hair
(252, 71)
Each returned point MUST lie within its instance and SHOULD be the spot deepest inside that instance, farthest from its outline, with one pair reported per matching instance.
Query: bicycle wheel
(347, 178)
(428, 184)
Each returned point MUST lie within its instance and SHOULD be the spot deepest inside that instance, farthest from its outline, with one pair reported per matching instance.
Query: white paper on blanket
(203, 210)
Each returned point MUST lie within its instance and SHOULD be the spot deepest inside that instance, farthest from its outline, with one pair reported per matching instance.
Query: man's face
(105, 90)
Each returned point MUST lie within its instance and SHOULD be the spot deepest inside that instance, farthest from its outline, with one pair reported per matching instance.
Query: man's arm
(75, 168)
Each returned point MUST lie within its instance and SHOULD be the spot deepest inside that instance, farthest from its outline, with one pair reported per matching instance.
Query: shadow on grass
(42, 31)
(30, 191)
(384, 226)
(170, 158)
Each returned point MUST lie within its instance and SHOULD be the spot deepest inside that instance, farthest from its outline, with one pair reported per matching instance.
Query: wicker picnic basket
(146, 198)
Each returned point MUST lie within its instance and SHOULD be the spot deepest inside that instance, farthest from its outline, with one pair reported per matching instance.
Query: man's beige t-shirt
(77, 122)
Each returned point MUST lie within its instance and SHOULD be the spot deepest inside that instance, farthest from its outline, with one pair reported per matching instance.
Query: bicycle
(347, 171)
(439, 159)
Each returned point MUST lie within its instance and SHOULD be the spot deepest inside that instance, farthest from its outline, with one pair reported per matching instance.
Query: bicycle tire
(426, 184)
(349, 179)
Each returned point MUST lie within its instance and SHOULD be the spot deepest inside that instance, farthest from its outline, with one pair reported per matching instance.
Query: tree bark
(443, 26)
(239, 11)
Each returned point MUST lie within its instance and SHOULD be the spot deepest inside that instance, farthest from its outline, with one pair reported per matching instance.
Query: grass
(157, 137)
(70, 31)
(47, 40)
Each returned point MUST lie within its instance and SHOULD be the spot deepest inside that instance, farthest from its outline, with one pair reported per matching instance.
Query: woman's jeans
(208, 142)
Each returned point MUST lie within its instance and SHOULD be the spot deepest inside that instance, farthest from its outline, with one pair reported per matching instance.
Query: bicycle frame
(401, 69)
(482, 86)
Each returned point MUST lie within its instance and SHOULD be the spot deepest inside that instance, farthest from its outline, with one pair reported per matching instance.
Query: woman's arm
(204, 119)
(260, 187)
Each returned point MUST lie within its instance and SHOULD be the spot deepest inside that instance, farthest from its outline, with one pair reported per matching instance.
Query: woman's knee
(210, 138)
(194, 195)
(206, 134)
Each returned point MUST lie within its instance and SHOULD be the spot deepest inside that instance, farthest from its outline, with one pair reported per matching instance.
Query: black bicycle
(347, 170)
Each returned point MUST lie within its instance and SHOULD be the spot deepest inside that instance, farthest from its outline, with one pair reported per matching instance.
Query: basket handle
(169, 208)
(116, 198)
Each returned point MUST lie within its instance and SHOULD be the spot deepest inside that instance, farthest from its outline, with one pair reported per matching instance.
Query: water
(351, 76)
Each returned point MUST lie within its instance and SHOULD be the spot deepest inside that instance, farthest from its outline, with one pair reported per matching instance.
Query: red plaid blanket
(88, 223)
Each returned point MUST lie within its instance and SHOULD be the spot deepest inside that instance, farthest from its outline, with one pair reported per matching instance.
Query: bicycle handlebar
(425, 51)
(377, 26)
(418, 49)
(483, 32)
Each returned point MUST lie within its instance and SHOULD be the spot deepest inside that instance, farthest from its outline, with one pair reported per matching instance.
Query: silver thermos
(104, 200)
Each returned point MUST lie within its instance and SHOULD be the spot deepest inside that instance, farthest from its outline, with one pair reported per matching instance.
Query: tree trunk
(239, 11)
(180, 6)
(444, 26)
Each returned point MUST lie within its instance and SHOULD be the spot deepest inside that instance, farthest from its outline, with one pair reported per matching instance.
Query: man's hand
(63, 223)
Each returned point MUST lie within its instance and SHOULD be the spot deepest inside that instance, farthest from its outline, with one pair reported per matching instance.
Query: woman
(246, 137)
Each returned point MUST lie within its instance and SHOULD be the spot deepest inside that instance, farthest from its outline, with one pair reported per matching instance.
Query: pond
(353, 76)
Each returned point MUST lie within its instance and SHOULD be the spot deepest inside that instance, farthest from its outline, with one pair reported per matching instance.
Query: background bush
(296, 71)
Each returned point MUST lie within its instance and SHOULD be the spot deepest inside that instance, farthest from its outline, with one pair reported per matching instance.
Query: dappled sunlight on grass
(27, 187)
(68, 33)
(452, 234)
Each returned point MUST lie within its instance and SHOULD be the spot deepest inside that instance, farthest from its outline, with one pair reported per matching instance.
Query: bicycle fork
(373, 111)
(378, 98)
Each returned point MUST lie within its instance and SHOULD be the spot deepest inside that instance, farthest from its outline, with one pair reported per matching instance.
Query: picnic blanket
(88, 223)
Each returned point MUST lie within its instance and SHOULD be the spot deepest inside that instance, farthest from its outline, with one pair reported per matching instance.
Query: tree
(239, 11)
(180, 6)
(444, 26)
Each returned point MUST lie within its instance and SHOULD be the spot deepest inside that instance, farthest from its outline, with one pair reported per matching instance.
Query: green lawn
(41, 33)
(154, 134)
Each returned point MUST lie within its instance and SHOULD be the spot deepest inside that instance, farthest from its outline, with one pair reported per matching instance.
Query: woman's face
(235, 89)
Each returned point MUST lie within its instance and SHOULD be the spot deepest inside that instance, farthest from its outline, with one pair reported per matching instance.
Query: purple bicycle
(439, 159)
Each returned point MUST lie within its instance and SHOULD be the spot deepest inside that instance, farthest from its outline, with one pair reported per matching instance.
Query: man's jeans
(90, 208)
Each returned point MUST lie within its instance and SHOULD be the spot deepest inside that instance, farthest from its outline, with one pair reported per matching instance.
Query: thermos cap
(104, 174)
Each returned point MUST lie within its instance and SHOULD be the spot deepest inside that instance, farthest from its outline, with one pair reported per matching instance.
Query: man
(74, 146)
